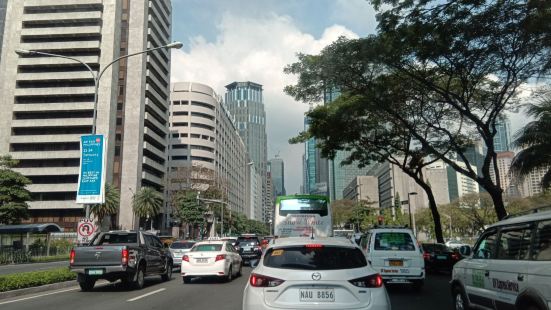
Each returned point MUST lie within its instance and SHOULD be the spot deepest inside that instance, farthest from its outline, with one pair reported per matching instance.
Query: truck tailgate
(98, 255)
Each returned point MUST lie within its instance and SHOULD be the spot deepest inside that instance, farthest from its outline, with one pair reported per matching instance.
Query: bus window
(303, 206)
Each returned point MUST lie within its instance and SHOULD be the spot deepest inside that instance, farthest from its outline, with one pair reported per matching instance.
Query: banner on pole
(91, 178)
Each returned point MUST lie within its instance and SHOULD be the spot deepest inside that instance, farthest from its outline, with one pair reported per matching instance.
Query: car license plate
(317, 295)
(95, 272)
(441, 257)
(396, 263)
(202, 260)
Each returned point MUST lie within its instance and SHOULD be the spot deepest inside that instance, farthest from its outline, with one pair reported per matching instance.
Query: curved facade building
(205, 144)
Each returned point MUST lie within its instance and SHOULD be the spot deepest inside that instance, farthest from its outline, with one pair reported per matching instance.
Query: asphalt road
(200, 295)
(17, 268)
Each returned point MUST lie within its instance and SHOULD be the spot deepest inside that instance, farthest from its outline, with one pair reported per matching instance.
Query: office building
(204, 138)
(459, 184)
(276, 168)
(245, 102)
(531, 186)
(509, 187)
(47, 103)
(502, 139)
(363, 188)
(3, 4)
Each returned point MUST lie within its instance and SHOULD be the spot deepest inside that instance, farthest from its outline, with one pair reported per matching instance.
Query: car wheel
(229, 277)
(167, 276)
(459, 300)
(87, 284)
(187, 280)
(240, 272)
(140, 279)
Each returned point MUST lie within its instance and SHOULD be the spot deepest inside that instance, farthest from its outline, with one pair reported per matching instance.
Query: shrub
(35, 278)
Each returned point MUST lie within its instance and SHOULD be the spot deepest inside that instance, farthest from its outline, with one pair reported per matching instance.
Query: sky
(253, 40)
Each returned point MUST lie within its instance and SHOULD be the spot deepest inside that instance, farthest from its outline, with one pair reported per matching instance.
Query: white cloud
(257, 49)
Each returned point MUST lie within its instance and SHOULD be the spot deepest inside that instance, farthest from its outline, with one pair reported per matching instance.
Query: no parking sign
(85, 230)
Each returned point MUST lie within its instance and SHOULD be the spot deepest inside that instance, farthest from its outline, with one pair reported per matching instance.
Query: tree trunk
(434, 210)
(497, 198)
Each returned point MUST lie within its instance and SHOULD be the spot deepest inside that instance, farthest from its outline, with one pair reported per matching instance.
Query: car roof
(328, 241)
(210, 242)
(537, 216)
(391, 229)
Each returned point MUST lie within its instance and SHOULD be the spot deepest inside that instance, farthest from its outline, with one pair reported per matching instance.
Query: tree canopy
(13, 194)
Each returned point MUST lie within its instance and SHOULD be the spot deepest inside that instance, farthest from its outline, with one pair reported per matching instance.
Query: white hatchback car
(321, 273)
(509, 268)
(395, 254)
(211, 259)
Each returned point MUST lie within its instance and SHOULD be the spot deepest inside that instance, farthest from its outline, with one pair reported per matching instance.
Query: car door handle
(520, 277)
(487, 273)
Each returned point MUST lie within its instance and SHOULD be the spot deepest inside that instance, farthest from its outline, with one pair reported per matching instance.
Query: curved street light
(96, 77)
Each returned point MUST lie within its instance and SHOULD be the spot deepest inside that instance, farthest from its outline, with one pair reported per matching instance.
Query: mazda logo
(316, 276)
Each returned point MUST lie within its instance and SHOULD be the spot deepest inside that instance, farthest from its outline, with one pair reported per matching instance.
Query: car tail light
(72, 257)
(220, 257)
(124, 257)
(374, 280)
(185, 258)
(426, 255)
(257, 280)
(259, 248)
(313, 245)
(455, 256)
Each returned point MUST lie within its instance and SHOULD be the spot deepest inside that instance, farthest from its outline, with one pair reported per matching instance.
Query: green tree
(147, 203)
(442, 71)
(188, 210)
(111, 205)
(535, 139)
(13, 194)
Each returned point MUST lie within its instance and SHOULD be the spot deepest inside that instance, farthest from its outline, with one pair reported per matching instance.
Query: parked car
(249, 248)
(508, 268)
(211, 259)
(327, 273)
(438, 257)
(178, 249)
(123, 255)
(395, 254)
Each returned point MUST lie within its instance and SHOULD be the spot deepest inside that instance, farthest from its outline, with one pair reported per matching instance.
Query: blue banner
(91, 179)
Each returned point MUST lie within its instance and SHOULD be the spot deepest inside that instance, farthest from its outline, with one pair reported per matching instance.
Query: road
(17, 268)
(200, 295)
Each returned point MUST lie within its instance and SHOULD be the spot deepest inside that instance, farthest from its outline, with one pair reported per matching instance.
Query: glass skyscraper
(502, 139)
(277, 171)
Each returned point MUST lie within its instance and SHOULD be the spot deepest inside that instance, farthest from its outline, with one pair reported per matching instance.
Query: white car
(178, 249)
(211, 259)
(321, 273)
(508, 268)
(395, 254)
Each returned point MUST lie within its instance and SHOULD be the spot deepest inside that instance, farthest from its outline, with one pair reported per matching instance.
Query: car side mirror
(465, 250)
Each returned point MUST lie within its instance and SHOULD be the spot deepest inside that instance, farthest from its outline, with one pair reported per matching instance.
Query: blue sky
(253, 40)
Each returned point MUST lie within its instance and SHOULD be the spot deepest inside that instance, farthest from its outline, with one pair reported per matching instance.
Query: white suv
(321, 273)
(395, 254)
(509, 268)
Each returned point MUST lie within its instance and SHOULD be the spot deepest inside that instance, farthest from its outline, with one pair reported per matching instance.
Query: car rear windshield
(394, 241)
(315, 258)
(247, 239)
(115, 238)
(207, 248)
(435, 248)
(182, 245)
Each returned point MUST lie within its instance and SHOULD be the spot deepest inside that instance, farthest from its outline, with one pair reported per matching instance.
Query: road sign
(91, 178)
(85, 230)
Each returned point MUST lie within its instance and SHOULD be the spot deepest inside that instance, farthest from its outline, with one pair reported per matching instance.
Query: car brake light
(124, 257)
(426, 255)
(259, 248)
(185, 258)
(220, 257)
(374, 280)
(455, 256)
(72, 257)
(257, 280)
(314, 245)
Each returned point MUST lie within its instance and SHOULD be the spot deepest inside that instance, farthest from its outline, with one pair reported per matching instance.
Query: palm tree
(535, 139)
(147, 202)
(111, 205)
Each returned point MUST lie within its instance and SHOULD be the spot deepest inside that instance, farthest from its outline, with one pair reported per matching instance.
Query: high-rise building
(47, 103)
(277, 172)
(206, 147)
(502, 139)
(363, 188)
(532, 182)
(3, 4)
(315, 168)
(504, 160)
(244, 101)
(458, 183)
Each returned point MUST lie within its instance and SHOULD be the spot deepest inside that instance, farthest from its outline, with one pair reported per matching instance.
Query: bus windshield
(303, 206)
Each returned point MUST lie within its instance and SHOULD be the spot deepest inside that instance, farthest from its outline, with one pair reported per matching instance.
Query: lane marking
(145, 295)
(41, 295)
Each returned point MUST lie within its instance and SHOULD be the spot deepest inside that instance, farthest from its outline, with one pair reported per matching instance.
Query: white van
(509, 267)
(395, 254)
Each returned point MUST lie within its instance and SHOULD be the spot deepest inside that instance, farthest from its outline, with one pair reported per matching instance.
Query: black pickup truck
(128, 256)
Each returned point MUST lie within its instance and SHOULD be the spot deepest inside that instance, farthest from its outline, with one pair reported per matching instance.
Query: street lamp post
(96, 77)
(227, 192)
(411, 215)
